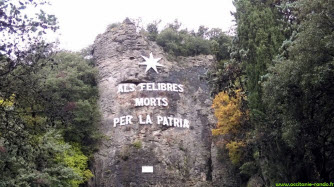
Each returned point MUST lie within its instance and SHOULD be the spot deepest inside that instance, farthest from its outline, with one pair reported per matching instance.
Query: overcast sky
(81, 21)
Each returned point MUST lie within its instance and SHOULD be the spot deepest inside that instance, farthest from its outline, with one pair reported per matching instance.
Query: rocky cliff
(155, 116)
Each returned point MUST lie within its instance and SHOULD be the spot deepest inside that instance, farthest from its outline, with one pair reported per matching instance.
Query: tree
(182, 43)
(231, 122)
(152, 29)
(259, 36)
(228, 113)
(32, 161)
(170, 40)
(220, 45)
(202, 31)
(70, 88)
(44, 98)
(20, 29)
(188, 43)
(298, 93)
(261, 30)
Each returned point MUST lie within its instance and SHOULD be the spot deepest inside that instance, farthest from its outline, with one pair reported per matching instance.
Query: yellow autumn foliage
(7, 103)
(227, 111)
(235, 151)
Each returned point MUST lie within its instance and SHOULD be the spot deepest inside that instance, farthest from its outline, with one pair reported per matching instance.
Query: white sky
(81, 21)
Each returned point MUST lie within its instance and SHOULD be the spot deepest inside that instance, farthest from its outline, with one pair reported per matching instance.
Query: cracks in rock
(209, 174)
(136, 82)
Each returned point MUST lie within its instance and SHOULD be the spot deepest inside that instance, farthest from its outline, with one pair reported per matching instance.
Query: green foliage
(298, 93)
(290, 137)
(32, 161)
(249, 169)
(282, 57)
(73, 88)
(178, 42)
(259, 38)
(170, 41)
(137, 144)
(125, 153)
(152, 30)
(60, 94)
(77, 161)
(220, 45)
(225, 76)
(182, 43)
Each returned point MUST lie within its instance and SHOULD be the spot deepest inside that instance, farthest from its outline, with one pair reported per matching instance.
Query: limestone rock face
(180, 156)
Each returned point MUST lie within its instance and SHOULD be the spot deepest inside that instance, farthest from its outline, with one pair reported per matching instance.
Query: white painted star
(151, 63)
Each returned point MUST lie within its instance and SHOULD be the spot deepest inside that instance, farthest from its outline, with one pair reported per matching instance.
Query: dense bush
(178, 42)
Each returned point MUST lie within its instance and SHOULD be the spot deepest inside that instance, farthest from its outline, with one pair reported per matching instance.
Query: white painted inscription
(124, 120)
(147, 120)
(170, 121)
(169, 87)
(124, 88)
(151, 101)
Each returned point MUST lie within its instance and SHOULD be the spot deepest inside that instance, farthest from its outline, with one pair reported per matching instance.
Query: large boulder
(177, 141)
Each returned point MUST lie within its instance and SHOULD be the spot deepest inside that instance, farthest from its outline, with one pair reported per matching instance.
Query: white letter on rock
(159, 119)
(120, 88)
(148, 119)
(139, 102)
(116, 120)
(141, 120)
(186, 124)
